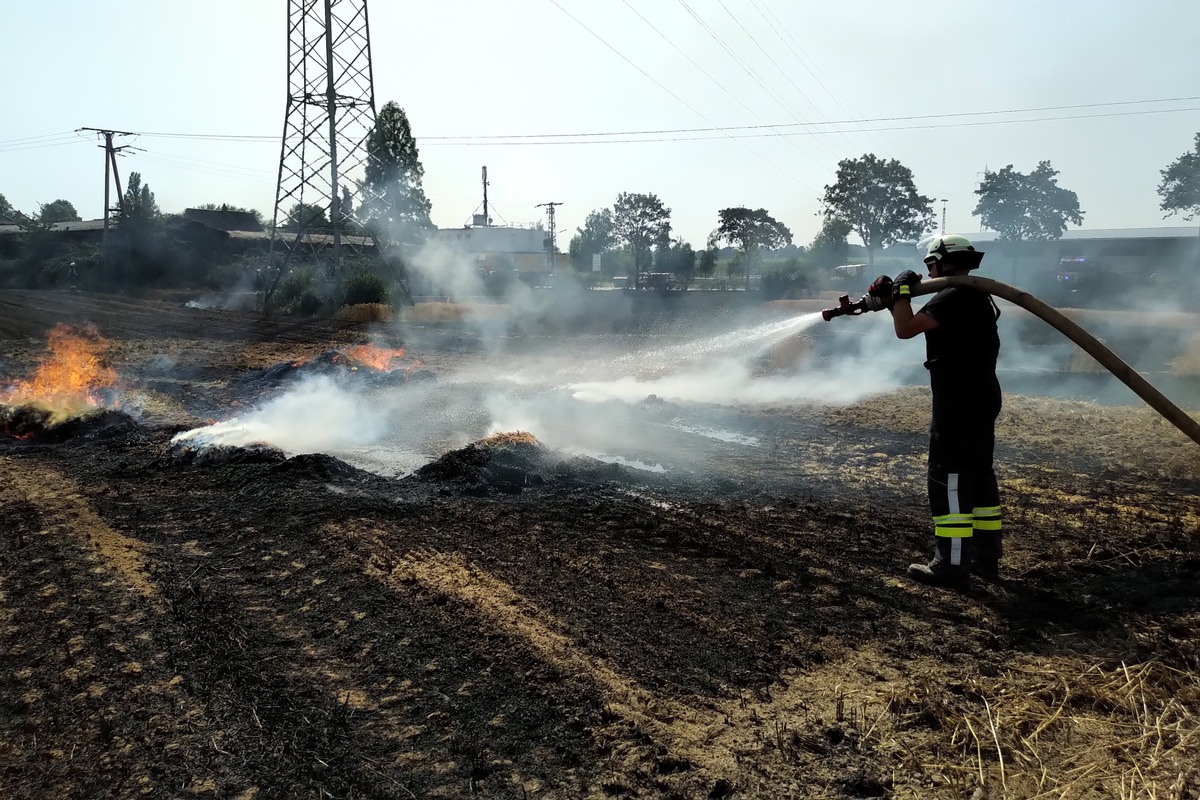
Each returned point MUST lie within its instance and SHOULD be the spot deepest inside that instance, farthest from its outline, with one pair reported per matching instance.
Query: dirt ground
(512, 622)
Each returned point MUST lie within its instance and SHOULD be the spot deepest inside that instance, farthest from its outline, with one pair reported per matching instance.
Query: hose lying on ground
(1090, 344)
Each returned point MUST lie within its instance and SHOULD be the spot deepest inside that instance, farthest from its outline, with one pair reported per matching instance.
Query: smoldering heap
(509, 463)
(371, 365)
(39, 425)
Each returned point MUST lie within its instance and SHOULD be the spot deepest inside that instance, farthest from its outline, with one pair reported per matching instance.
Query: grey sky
(479, 68)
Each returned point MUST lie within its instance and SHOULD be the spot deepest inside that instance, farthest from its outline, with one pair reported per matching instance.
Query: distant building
(1162, 250)
(497, 248)
(223, 220)
(88, 230)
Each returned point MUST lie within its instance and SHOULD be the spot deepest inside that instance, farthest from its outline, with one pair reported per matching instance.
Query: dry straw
(1127, 731)
(454, 312)
(1187, 364)
(364, 312)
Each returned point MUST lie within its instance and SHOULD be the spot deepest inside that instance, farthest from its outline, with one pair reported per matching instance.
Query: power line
(913, 118)
(739, 100)
(728, 135)
(819, 75)
(751, 72)
(781, 70)
(668, 91)
(729, 128)
(43, 137)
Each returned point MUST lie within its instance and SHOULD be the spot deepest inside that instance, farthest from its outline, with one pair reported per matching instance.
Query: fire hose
(1056, 319)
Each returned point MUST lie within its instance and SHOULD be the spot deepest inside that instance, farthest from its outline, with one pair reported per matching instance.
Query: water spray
(1057, 320)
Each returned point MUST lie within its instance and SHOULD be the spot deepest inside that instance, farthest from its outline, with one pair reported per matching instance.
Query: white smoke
(448, 270)
(316, 416)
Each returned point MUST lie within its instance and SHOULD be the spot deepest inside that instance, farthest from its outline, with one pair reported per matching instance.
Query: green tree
(7, 212)
(138, 205)
(640, 223)
(1020, 207)
(57, 211)
(878, 200)
(677, 257)
(1026, 207)
(394, 204)
(829, 247)
(706, 264)
(307, 216)
(595, 237)
(1180, 188)
(750, 231)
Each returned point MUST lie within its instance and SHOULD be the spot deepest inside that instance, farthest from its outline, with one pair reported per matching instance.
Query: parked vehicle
(1081, 282)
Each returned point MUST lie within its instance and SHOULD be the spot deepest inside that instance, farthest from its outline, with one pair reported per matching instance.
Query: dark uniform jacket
(961, 356)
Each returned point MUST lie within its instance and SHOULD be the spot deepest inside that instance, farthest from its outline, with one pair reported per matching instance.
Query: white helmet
(956, 251)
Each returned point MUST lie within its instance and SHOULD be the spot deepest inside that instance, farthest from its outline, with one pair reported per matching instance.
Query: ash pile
(509, 463)
(43, 426)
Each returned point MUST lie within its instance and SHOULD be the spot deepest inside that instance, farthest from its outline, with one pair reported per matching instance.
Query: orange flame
(373, 356)
(70, 377)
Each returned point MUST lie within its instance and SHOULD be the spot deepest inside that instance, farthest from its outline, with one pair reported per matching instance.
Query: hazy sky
(486, 68)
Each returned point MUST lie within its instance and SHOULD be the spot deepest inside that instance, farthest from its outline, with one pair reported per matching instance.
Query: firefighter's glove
(879, 296)
(904, 283)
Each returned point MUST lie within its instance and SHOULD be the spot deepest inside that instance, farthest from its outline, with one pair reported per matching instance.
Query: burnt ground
(514, 622)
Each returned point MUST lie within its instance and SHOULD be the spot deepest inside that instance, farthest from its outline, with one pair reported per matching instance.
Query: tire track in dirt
(692, 735)
(88, 703)
(312, 678)
(62, 506)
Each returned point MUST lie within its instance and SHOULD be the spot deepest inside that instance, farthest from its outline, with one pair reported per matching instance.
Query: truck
(1081, 282)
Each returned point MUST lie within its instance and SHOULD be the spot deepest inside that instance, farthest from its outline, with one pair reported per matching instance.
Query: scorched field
(253, 559)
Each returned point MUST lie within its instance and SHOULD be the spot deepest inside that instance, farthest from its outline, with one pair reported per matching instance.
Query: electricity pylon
(330, 114)
(552, 239)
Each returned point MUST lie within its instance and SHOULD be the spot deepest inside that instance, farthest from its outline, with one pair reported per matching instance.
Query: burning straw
(71, 379)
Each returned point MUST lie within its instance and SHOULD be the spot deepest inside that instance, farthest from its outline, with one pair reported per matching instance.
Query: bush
(306, 305)
(296, 295)
(364, 287)
(293, 285)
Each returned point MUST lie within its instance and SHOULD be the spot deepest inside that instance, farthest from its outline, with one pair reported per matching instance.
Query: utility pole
(979, 184)
(551, 244)
(110, 173)
(486, 219)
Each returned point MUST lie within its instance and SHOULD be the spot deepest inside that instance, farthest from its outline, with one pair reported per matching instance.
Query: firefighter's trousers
(964, 496)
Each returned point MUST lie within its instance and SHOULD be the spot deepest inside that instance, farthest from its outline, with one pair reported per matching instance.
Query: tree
(706, 264)
(306, 216)
(878, 200)
(1180, 188)
(57, 211)
(7, 212)
(394, 203)
(1020, 207)
(595, 237)
(750, 231)
(138, 205)
(677, 257)
(640, 222)
(829, 247)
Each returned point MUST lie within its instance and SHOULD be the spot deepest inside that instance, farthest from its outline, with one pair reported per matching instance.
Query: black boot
(988, 547)
(940, 571)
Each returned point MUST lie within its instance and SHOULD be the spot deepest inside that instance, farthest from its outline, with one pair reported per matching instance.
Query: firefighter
(961, 345)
